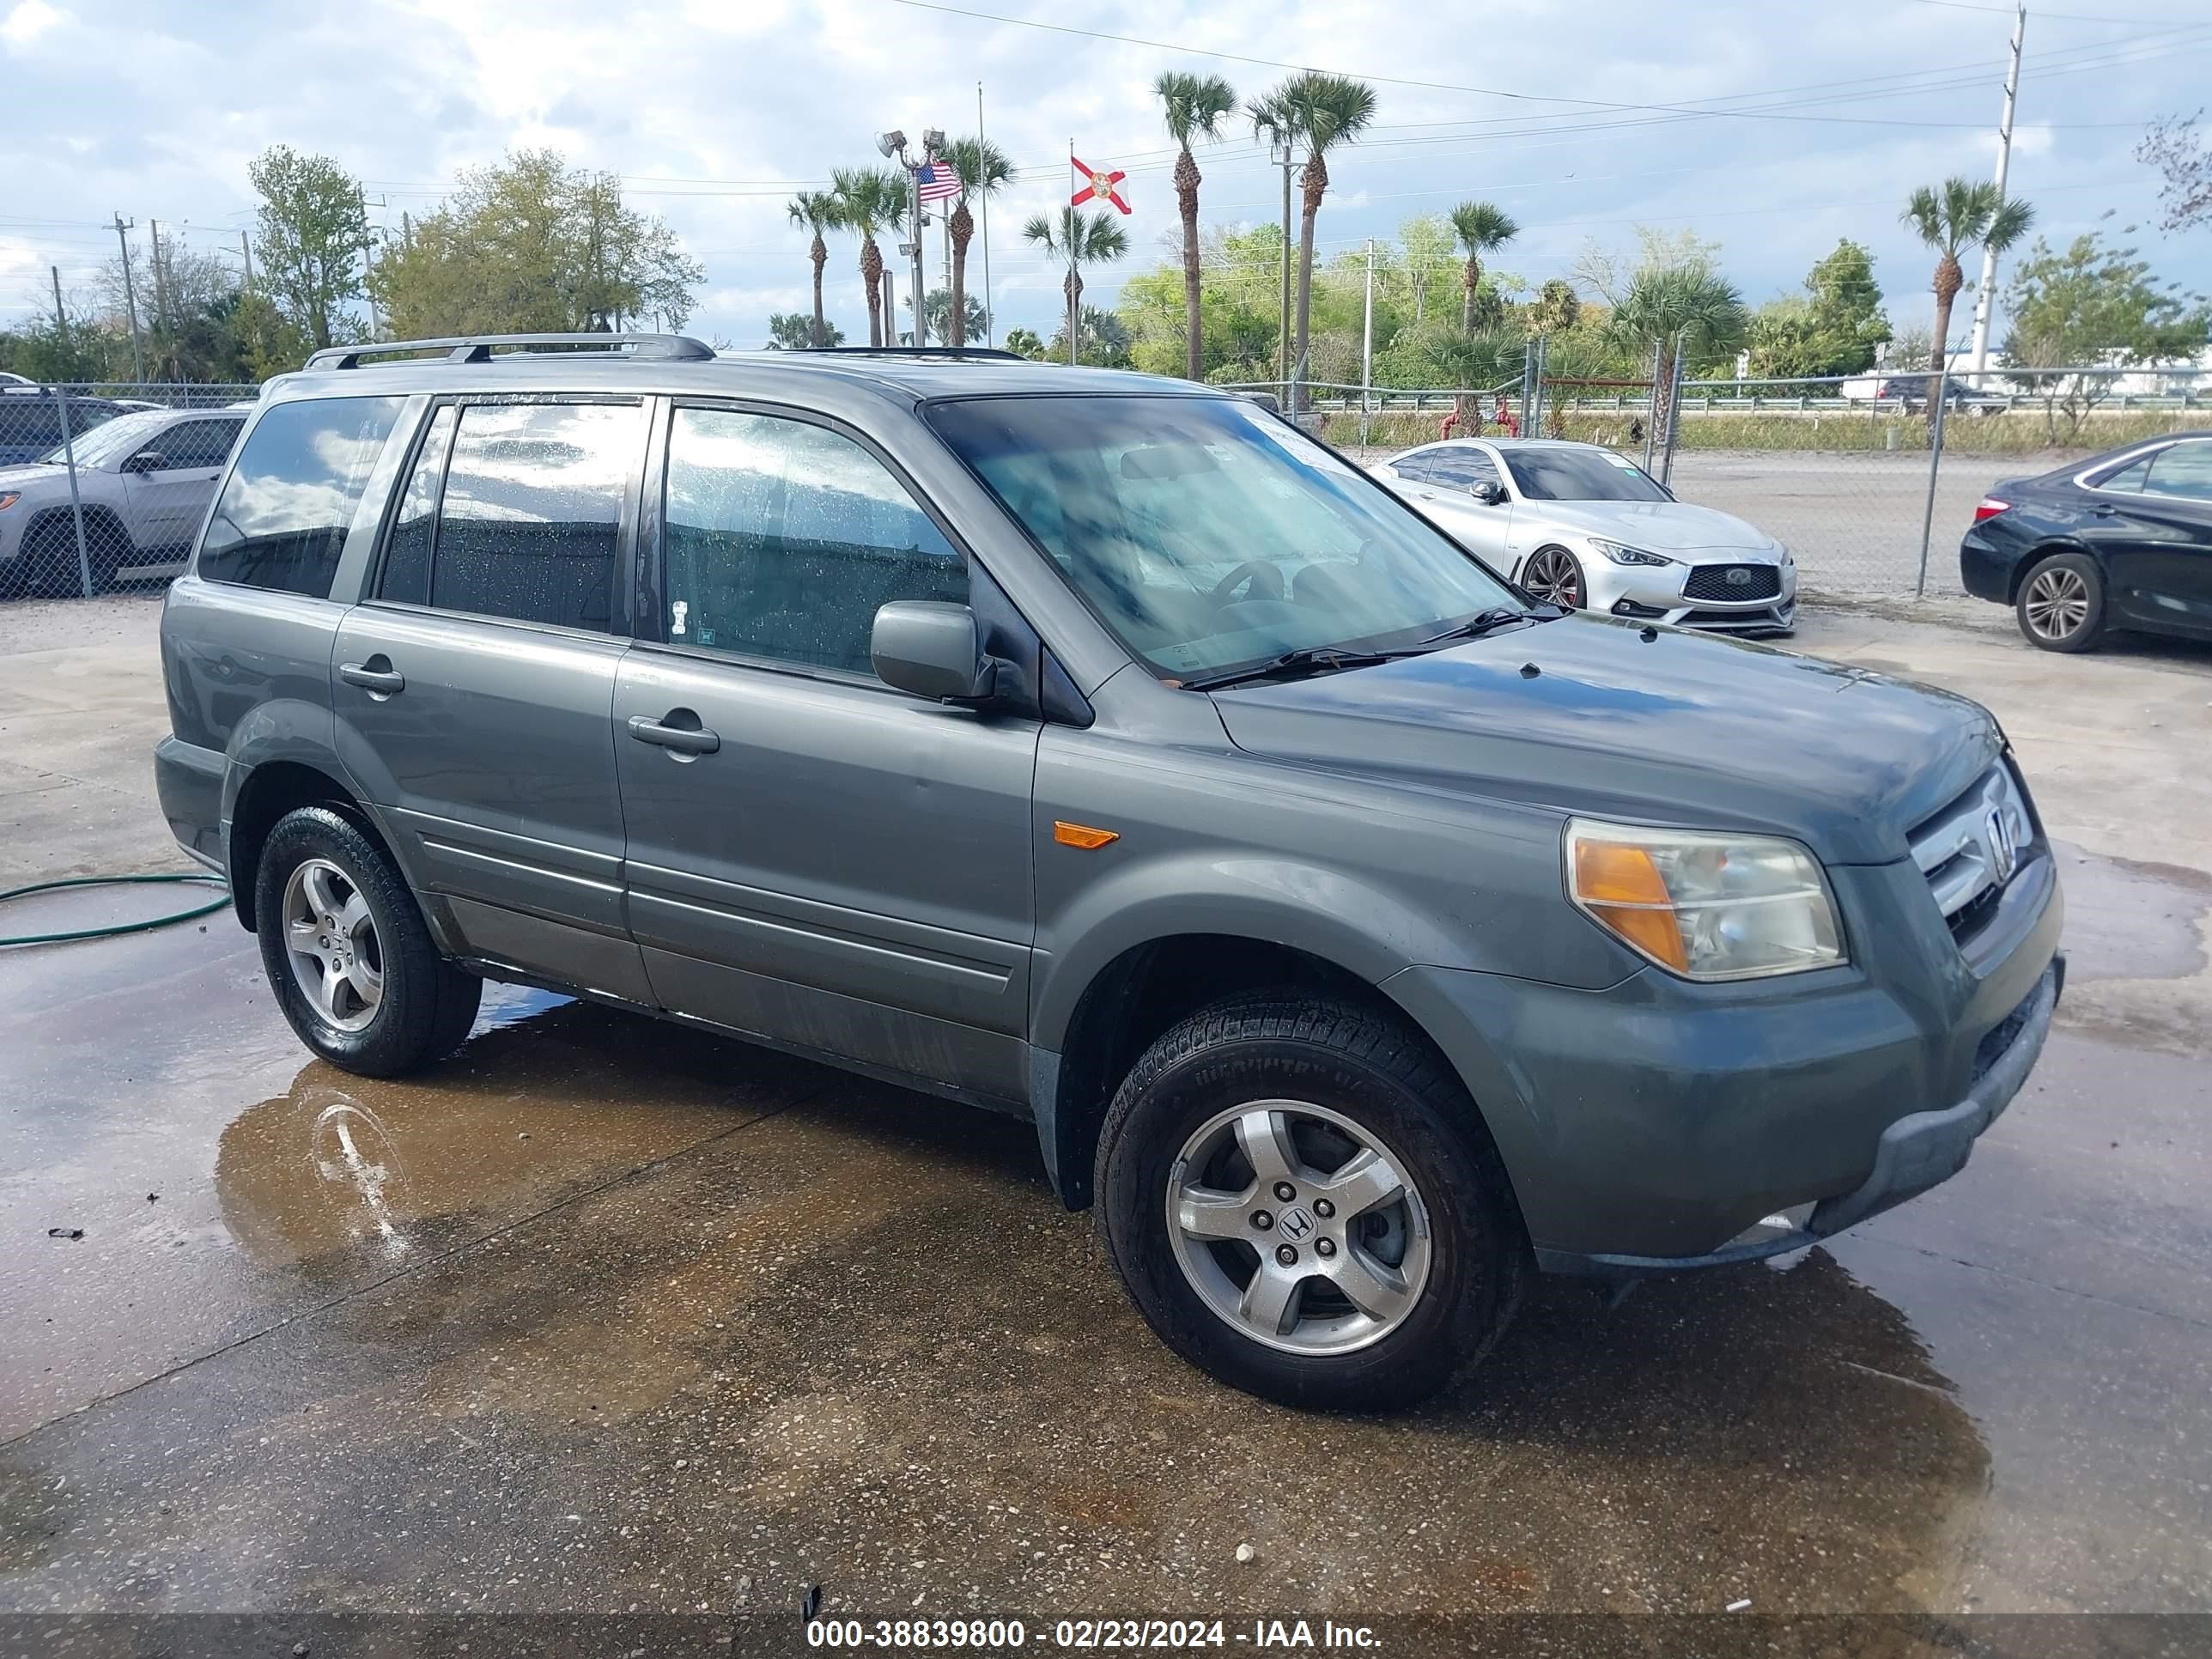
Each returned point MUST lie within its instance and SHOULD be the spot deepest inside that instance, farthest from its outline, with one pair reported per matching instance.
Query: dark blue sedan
(2123, 541)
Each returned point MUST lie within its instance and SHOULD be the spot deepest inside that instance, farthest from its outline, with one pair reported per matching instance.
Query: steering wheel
(1264, 579)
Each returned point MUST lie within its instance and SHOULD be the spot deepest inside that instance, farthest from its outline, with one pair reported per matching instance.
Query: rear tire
(2061, 606)
(1409, 1276)
(347, 954)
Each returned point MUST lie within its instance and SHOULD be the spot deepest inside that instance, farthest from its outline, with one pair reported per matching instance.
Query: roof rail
(910, 351)
(478, 348)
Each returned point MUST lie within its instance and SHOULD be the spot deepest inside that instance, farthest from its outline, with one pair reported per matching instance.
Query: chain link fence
(104, 487)
(1869, 479)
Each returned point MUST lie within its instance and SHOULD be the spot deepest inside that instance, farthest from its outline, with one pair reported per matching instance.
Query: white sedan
(1581, 525)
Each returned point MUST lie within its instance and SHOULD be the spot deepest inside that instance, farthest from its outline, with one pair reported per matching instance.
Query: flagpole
(1070, 223)
(990, 337)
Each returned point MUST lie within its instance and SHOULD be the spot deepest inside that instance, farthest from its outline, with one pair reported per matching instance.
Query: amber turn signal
(1082, 834)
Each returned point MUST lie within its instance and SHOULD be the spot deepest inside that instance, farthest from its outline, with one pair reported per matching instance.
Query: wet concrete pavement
(606, 1314)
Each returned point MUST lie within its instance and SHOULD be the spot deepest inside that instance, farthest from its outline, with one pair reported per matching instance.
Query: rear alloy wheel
(2062, 602)
(1554, 575)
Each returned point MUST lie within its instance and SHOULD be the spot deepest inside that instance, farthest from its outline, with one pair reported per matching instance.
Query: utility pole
(130, 300)
(246, 252)
(376, 323)
(1979, 351)
(154, 257)
(1074, 298)
(61, 316)
(1367, 344)
(983, 206)
(1283, 158)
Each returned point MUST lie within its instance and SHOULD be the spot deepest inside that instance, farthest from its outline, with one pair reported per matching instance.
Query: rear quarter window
(282, 517)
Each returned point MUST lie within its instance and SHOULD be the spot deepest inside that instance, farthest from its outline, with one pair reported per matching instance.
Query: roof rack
(478, 348)
(995, 352)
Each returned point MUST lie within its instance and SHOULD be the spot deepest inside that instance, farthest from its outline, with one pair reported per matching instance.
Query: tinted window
(413, 527)
(1209, 536)
(1418, 468)
(532, 509)
(784, 539)
(2185, 470)
(30, 424)
(1580, 475)
(2129, 476)
(195, 445)
(282, 517)
(1463, 469)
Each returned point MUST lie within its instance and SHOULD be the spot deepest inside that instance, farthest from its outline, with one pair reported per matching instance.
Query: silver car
(1584, 527)
(143, 482)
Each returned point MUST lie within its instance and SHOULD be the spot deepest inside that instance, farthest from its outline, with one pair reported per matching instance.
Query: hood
(1658, 526)
(1687, 730)
(24, 476)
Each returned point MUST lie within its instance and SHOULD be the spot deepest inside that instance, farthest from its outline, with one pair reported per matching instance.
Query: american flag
(939, 182)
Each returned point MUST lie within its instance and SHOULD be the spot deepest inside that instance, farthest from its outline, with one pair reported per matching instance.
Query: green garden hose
(207, 909)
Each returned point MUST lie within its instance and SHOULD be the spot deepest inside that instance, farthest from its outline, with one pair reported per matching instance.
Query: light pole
(893, 145)
(1283, 158)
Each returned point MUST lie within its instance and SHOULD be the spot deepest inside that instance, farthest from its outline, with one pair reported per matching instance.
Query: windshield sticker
(1622, 462)
(1291, 439)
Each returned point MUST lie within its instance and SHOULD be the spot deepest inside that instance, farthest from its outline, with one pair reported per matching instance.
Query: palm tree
(815, 209)
(1685, 310)
(983, 167)
(870, 199)
(1078, 240)
(1195, 105)
(1319, 111)
(1481, 228)
(1957, 215)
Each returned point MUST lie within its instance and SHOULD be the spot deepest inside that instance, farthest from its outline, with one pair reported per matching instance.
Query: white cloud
(27, 21)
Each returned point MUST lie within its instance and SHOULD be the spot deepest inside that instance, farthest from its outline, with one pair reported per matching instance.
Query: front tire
(2060, 606)
(347, 954)
(1396, 1260)
(1554, 575)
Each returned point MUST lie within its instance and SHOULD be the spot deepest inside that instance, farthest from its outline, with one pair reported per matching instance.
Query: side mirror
(1489, 494)
(146, 461)
(933, 649)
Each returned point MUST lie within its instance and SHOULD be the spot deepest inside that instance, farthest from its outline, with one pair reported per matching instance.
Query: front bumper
(1655, 593)
(1659, 1124)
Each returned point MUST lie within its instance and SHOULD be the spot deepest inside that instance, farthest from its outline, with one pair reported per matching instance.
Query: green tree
(1557, 308)
(1025, 341)
(2094, 305)
(984, 170)
(1319, 112)
(1833, 328)
(1077, 239)
(794, 330)
(815, 211)
(1958, 216)
(870, 199)
(1432, 258)
(1105, 341)
(1688, 311)
(2184, 167)
(314, 233)
(532, 246)
(1481, 228)
(937, 316)
(1194, 106)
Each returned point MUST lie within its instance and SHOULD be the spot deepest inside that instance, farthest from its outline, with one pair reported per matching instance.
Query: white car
(1582, 527)
(143, 480)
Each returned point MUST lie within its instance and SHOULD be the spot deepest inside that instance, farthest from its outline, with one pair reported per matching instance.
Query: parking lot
(608, 1315)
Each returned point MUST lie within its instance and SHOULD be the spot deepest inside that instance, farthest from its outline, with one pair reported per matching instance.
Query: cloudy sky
(1772, 126)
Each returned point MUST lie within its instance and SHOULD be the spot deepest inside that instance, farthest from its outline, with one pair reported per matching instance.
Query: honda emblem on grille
(2004, 852)
(1738, 577)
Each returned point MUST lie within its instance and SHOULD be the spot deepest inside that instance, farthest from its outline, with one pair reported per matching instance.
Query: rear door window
(282, 517)
(2184, 470)
(530, 520)
(196, 446)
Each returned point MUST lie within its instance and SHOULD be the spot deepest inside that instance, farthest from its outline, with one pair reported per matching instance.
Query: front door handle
(688, 738)
(377, 677)
(2105, 510)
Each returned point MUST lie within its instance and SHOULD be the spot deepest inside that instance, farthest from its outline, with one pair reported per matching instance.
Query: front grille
(1734, 582)
(1970, 849)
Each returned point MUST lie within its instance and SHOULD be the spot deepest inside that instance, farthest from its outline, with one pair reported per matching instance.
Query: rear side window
(282, 519)
(2186, 471)
(531, 515)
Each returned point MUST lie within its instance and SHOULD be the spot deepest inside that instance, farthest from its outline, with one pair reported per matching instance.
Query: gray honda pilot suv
(1357, 933)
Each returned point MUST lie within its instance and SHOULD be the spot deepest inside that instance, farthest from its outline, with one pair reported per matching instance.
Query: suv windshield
(1580, 475)
(110, 438)
(1208, 535)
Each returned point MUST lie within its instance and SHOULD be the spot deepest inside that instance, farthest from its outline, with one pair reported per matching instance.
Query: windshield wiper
(1482, 622)
(1306, 659)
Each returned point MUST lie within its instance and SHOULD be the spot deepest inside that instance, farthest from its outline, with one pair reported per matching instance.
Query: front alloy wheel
(1299, 1227)
(1555, 576)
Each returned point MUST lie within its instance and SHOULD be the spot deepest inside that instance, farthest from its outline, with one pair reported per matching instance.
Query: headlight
(1706, 906)
(9, 498)
(1620, 555)
(1783, 549)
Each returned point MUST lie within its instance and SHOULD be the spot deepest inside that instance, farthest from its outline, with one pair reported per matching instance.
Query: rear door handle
(684, 741)
(384, 682)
